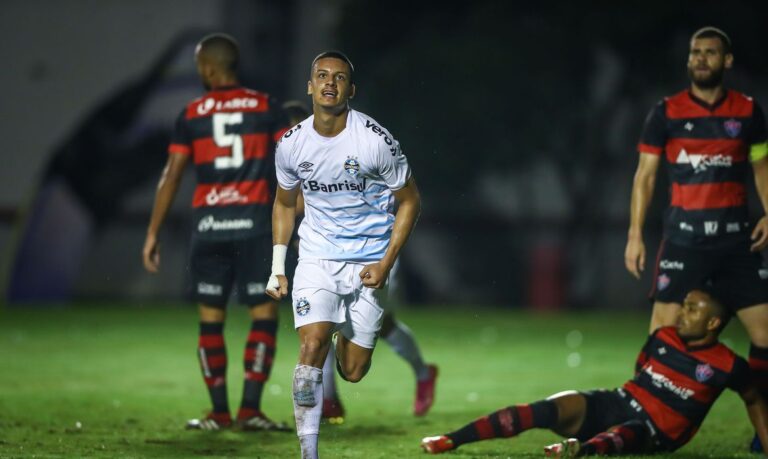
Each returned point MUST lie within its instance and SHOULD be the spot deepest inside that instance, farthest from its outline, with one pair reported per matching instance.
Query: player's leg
(402, 341)
(212, 353)
(358, 334)
(211, 277)
(743, 287)
(563, 413)
(664, 315)
(252, 271)
(314, 342)
(317, 309)
(631, 437)
(333, 410)
(353, 360)
(678, 269)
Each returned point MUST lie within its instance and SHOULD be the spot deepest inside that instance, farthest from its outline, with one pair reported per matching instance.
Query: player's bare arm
(758, 413)
(409, 208)
(166, 192)
(283, 220)
(642, 192)
(760, 233)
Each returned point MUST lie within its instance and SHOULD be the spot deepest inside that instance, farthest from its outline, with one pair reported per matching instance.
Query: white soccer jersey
(346, 181)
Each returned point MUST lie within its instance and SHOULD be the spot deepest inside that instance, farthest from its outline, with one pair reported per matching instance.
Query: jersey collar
(707, 106)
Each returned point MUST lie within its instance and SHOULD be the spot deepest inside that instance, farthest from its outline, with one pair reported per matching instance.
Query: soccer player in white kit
(344, 162)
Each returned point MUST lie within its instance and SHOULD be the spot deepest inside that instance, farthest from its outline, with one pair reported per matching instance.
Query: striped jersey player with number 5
(344, 163)
(229, 135)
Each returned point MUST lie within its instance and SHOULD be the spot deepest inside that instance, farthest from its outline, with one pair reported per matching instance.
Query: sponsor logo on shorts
(672, 264)
(732, 227)
(208, 223)
(351, 166)
(732, 127)
(302, 307)
(686, 227)
(704, 372)
(209, 289)
(663, 282)
(710, 228)
(256, 288)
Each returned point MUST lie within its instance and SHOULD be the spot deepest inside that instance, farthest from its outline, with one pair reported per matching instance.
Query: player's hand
(151, 254)
(374, 275)
(760, 235)
(277, 287)
(634, 257)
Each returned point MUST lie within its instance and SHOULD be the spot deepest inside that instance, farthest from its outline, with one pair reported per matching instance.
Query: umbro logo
(688, 126)
(662, 350)
(306, 166)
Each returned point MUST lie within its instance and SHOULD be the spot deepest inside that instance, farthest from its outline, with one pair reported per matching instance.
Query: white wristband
(278, 259)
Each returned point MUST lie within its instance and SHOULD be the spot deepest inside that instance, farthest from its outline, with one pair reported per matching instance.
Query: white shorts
(332, 291)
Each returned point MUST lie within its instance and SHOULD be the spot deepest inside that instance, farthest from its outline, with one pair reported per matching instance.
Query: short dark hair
(720, 310)
(335, 55)
(222, 48)
(714, 32)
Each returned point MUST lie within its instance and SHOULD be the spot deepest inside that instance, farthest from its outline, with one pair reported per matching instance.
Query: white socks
(308, 407)
(329, 375)
(402, 341)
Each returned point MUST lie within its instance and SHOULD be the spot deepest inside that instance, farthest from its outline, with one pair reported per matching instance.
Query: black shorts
(610, 408)
(605, 409)
(216, 266)
(734, 273)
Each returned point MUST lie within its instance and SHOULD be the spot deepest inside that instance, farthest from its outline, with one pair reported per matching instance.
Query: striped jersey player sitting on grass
(679, 374)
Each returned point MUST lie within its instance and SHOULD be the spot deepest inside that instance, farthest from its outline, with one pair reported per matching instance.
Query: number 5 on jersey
(223, 139)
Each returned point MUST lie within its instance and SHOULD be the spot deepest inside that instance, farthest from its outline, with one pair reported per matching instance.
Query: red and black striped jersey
(707, 149)
(231, 133)
(676, 385)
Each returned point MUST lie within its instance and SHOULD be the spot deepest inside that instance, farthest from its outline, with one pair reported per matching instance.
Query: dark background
(519, 120)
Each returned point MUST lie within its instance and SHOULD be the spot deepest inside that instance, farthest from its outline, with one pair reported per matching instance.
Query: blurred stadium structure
(520, 122)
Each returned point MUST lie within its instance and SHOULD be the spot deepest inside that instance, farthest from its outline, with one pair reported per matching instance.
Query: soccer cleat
(565, 449)
(260, 422)
(425, 392)
(333, 410)
(213, 421)
(437, 445)
(756, 446)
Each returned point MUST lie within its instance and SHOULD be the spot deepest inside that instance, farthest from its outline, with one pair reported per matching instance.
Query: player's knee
(355, 371)
(311, 347)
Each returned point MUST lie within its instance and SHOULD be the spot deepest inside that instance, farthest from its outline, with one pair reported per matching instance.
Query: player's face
(330, 85)
(695, 316)
(707, 62)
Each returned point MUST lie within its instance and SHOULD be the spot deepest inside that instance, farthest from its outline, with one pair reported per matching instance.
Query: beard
(713, 80)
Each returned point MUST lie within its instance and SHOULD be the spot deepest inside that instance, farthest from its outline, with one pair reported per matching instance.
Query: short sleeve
(739, 378)
(654, 135)
(180, 140)
(287, 176)
(757, 138)
(393, 165)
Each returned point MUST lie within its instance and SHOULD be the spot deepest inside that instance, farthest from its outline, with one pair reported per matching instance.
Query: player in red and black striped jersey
(680, 373)
(229, 135)
(711, 139)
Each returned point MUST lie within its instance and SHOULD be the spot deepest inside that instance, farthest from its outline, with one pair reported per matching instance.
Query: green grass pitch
(113, 380)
